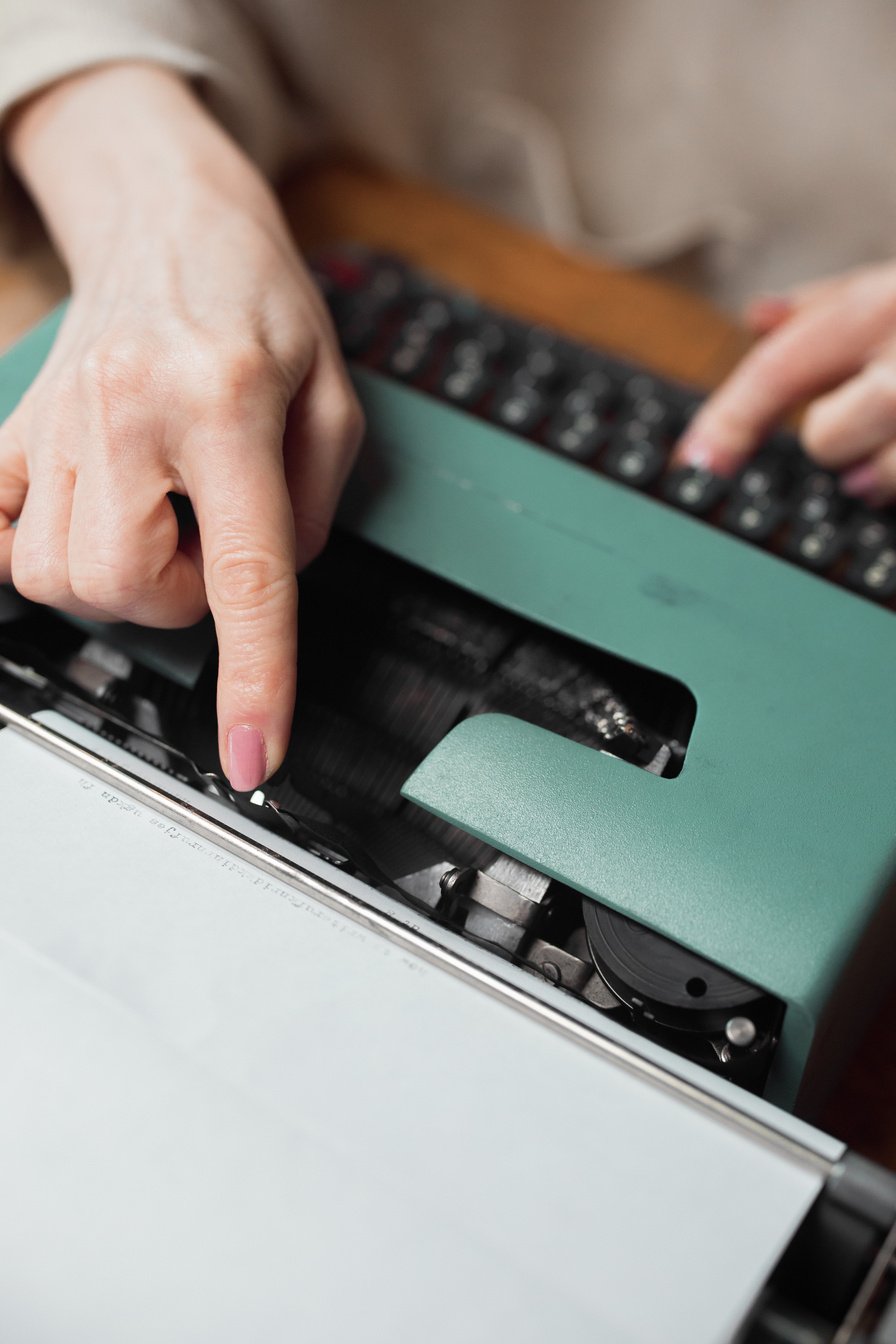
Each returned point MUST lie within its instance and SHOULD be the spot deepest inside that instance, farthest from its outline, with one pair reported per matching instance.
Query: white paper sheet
(230, 1114)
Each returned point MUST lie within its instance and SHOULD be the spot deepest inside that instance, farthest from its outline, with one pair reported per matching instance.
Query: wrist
(121, 152)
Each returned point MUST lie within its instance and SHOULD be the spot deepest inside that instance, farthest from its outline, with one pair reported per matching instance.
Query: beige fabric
(751, 139)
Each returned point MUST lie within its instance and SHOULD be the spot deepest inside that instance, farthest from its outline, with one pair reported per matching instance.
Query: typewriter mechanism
(628, 727)
(391, 659)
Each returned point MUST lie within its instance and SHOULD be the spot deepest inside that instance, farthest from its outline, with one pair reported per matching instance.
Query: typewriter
(620, 735)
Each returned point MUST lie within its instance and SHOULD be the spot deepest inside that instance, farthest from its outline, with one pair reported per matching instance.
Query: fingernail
(860, 482)
(770, 307)
(694, 451)
(247, 761)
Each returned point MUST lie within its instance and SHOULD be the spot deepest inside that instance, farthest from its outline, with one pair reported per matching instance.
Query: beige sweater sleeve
(211, 42)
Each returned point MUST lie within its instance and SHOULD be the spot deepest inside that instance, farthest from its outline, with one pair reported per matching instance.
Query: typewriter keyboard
(600, 412)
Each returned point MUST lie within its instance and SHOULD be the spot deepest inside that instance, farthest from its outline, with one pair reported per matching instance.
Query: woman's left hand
(833, 342)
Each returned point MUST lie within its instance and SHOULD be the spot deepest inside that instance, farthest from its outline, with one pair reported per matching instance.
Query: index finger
(809, 353)
(247, 533)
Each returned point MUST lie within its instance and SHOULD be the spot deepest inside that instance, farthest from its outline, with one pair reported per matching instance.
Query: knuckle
(240, 372)
(227, 386)
(36, 577)
(112, 373)
(297, 346)
(112, 385)
(244, 580)
(105, 583)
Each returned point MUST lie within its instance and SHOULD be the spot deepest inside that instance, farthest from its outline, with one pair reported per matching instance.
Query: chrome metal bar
(410, 939)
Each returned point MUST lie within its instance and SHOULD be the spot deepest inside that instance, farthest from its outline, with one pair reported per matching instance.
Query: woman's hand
(834, 341)
(196, 357)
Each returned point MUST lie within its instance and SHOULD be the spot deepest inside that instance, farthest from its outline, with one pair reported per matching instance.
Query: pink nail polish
(770, 308)
(247, 761)
(693, 452)
(860, 482)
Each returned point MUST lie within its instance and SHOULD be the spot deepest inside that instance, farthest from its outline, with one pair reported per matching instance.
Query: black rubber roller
(663, 982)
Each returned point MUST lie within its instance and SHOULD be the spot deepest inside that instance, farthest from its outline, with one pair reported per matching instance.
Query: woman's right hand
(832, 343)
(196, 357)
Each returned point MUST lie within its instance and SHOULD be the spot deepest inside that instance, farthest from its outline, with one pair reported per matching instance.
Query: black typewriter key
(407, 360)
(816, 545)
(637, 462)
(758, 479)
(599, 383)
(654, 411)
(518, 407)
(755, 518)
(694, 489)
(541, 365)
(411, 351)
(655, 415)
(635, 431)
(869, 532)
(575, 434)
(464, 384)
(874, 574)
(467, 374)
(434, 313)
(589, 394)
(470, 353)
(579, 402)
(494, 337)
(642, 387)
(817, 499)
(387, 281)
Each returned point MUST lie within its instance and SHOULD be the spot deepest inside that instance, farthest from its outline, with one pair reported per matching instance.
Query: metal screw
(740, 1031)
(449, 879)
(454, 880)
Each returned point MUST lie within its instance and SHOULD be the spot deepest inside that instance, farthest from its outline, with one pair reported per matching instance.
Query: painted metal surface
(773, 848)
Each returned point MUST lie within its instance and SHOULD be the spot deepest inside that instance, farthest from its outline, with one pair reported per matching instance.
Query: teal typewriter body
(772, 851)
